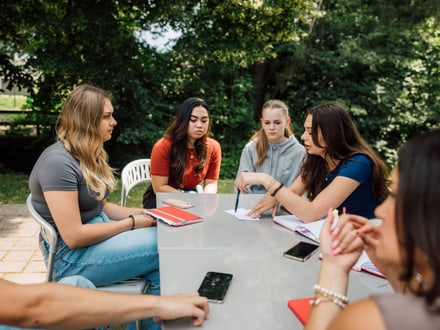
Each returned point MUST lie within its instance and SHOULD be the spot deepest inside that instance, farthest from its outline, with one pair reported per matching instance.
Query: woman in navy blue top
(341, 171)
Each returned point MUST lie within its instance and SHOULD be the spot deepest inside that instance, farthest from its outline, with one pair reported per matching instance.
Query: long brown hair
(418, 208)
(78, 129)
(343, 140)
(262, 144)
(177, 131)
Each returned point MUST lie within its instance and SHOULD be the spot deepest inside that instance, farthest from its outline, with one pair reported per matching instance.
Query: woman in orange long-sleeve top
(186, 156)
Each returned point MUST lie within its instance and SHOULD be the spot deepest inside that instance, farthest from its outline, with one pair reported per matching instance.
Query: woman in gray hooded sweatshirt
(273, 149)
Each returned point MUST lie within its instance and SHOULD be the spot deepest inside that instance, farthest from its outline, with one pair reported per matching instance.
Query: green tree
(376, 58)
(379, 58)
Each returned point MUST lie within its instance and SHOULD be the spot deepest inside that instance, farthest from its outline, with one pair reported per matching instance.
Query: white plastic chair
(135, 172)
(134, 286)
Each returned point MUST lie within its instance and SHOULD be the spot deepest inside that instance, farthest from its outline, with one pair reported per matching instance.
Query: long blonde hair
(78, 129)
(262, 144)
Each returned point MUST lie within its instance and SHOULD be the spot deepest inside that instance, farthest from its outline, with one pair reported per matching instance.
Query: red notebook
(173, 216)
(301, 308)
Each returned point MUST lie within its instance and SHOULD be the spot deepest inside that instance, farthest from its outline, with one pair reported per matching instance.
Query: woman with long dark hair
(186, 156)
(405, 248)
(341, 170)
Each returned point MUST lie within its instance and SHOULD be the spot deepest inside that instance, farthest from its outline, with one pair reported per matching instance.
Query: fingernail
(335, 244)
(359, 233)
(337, 251)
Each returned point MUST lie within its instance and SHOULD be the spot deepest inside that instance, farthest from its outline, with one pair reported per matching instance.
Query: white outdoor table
(252, 251)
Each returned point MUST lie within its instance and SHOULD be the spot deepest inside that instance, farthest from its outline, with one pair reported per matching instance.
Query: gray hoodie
(283, 161)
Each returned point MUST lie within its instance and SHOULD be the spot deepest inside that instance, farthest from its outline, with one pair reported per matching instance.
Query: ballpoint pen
(236, 201)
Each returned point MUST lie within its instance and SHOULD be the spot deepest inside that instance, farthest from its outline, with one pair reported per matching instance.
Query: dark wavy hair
(343, 140)
(418, 207)
(177, 132)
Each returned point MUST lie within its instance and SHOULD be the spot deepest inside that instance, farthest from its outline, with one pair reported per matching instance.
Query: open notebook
(312, 230)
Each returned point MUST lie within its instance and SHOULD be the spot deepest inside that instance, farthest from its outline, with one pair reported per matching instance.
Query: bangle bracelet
(276, 190)
(132, 221)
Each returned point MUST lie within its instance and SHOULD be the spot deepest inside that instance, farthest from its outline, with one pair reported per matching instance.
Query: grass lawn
(15, 190)
(11, 101)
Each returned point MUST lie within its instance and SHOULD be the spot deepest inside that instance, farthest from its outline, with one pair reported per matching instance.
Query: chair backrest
(135, 172)
(47, 231)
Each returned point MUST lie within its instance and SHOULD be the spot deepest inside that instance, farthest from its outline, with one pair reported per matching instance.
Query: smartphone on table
(215, 285)
(301, 251)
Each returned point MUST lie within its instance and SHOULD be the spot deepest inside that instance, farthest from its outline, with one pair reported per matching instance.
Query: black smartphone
(301, 251)
(215, 285)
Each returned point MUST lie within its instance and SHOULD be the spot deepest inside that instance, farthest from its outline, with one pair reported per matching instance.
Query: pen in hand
(236, 201)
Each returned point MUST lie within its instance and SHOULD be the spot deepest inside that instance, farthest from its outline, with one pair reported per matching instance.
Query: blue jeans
(121, 257)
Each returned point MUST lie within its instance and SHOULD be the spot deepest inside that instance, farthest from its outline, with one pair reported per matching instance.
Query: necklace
(191, 154)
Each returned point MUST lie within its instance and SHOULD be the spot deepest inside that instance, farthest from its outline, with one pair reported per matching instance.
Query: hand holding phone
(301, 251)
(214, 286)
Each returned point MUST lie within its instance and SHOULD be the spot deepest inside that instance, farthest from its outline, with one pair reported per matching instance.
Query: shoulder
(360, 159)
(213, 144)
(164, 141)
(361, 315)
(55, 155)
(293, 143)
(251, 145)
(406, 311)
(163, 144)
(357, 163)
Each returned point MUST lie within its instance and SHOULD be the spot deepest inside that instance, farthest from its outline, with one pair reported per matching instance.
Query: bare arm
(331, 196)
(210, 186)
(64, 207)
(118, 212)
(333, 274)
(56, 306)
(341, 247)
(160, 184)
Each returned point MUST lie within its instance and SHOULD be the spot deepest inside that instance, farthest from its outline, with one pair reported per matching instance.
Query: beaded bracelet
(317, 300)
(330, 294)
(132, 221)
(324, 295)
(276, 190)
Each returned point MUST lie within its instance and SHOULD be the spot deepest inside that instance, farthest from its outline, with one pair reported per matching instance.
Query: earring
(420, 282)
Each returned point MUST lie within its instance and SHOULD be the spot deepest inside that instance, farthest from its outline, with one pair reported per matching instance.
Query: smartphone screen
(215, 285)
(301, 251)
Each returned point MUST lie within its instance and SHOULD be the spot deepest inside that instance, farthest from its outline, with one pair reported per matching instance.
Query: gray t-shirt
(58, 170)
(407, 312)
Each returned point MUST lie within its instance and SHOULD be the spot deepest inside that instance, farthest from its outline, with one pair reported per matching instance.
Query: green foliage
(379, 58)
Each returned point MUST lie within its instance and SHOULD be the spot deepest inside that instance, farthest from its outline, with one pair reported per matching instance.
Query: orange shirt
(160, 163)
